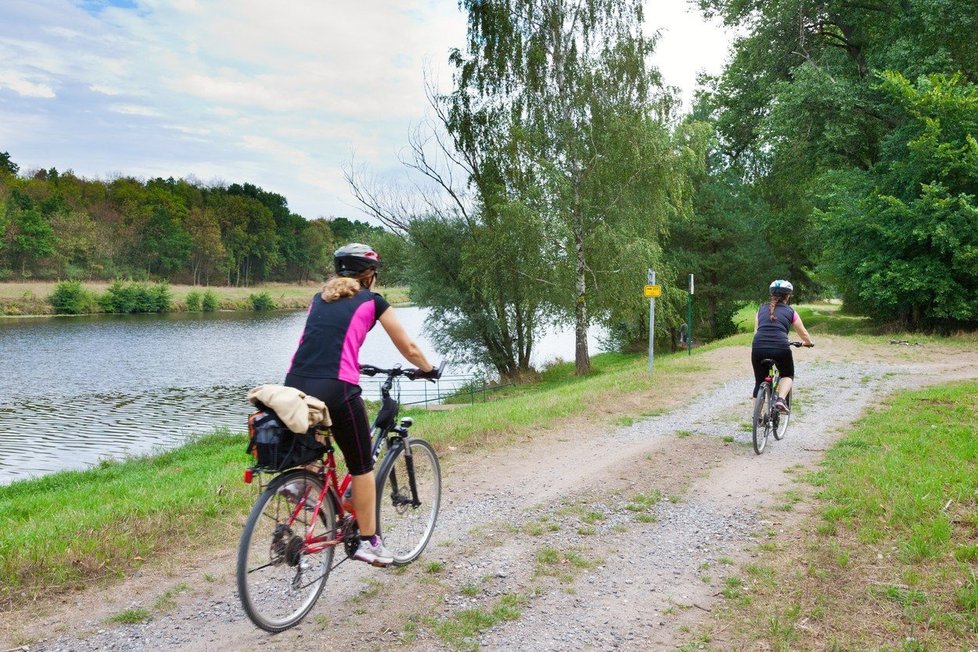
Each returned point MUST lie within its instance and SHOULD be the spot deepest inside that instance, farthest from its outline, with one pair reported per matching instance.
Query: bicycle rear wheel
(279, 579)
(762, 420)
(782, 423)
(408, 498)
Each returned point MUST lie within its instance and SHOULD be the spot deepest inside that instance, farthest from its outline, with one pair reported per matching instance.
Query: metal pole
(651, 279)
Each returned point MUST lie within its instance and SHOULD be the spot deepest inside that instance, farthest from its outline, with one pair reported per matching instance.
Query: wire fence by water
(454, 388)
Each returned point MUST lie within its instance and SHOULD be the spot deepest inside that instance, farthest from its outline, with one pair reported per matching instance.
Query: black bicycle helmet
(781, 288)
(354, 259)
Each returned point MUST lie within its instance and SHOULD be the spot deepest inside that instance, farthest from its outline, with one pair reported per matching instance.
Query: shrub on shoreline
(136, 297)
(209, 301)
(193, 301)
(70, 298)
(262, 301)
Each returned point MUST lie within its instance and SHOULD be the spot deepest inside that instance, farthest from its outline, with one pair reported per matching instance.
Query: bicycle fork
(396, 496)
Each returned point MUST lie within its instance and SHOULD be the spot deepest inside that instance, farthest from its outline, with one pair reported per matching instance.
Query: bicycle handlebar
(409, 373)
(807, 346)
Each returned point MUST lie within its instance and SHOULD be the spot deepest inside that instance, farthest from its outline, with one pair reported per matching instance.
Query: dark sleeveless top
(334, 332)
(773, 334)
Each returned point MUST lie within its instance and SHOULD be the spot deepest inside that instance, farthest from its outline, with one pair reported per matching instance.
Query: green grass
(644, 502)
(168, 600)
(66, 529)
(891, 552)
(562, 564)
(459, 629)
(905, 471)
(130, 616)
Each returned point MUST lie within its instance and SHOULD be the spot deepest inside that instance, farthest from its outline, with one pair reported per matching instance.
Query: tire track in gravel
(641, 583)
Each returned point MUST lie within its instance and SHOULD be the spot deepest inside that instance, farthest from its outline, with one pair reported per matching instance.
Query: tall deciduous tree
(476, 255)
(571, 82)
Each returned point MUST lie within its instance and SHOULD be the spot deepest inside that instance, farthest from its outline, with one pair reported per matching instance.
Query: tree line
(56, 225)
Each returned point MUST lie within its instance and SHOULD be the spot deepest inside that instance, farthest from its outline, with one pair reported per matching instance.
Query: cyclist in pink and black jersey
(327, 365)
(772, 323)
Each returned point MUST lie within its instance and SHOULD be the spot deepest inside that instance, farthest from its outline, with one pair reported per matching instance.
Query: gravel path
(601, 539)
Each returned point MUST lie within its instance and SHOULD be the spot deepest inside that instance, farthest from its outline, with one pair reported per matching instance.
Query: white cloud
(22, 86)
(105, 90)
(135, 109)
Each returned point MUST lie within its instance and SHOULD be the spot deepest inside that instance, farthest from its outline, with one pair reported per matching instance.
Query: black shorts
(351, 428)
(781, 357)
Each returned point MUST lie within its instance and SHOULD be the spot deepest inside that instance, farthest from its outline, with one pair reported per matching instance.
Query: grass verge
(67, 530)
(890, 560)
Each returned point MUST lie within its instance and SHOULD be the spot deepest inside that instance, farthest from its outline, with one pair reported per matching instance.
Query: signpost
(652, 291)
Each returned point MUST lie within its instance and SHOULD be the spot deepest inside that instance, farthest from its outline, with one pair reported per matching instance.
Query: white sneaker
(375, 554)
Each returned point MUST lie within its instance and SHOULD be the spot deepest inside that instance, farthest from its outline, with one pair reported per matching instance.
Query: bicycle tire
(278, 582)
(761, 425)
(407, 528)
(782, 423)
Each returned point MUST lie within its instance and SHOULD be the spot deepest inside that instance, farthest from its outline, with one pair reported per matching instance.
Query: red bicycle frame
(327, 471)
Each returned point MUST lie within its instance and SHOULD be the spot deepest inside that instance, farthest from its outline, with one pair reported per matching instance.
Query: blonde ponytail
(341, 287)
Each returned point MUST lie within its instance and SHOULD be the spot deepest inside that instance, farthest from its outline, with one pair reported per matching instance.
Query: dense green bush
(135, 297)
(193, 301)
(902, 237)
(70, 298)
(262, 301)
(209, 301)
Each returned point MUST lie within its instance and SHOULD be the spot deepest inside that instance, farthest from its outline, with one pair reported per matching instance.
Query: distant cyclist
(326, 365)
(772, 323)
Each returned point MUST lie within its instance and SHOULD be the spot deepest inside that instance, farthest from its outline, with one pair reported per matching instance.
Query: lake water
(76, 390)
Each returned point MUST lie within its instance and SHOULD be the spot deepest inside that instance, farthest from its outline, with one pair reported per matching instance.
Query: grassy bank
(889, 560)
(33, 298)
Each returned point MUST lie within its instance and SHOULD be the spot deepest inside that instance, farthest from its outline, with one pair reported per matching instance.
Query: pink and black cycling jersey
(773, 334)
(334, 332)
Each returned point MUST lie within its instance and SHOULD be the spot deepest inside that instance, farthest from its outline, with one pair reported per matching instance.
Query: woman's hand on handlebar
(432, 375)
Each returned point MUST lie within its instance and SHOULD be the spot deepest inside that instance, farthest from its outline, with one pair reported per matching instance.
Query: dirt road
(582, 537)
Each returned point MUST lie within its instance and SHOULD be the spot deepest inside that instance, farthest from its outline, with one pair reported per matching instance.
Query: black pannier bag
(275, 447)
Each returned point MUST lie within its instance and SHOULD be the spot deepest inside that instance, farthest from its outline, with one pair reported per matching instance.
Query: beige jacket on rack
(297, 410)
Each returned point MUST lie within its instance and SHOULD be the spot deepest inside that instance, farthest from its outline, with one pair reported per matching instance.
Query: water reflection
(76, 390)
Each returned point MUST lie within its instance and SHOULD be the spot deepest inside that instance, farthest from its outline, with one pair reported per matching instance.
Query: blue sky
(280, 94)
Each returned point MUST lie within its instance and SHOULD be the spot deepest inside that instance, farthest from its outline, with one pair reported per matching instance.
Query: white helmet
(781, 287)
(354, 259)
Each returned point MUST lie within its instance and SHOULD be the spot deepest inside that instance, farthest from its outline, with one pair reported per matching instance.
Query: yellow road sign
(653, 291)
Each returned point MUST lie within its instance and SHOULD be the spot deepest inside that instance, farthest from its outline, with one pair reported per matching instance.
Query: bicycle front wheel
(408, 498)
(762, 420)
(782, 425)
(282, 560)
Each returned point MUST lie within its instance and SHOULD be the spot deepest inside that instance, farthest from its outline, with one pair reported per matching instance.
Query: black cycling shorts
(781, 357)
(351, 428)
